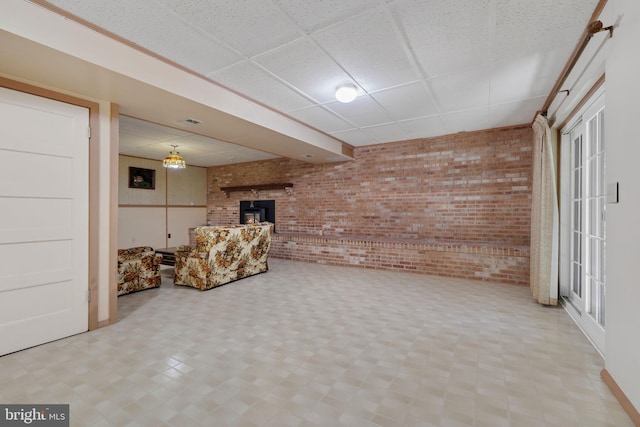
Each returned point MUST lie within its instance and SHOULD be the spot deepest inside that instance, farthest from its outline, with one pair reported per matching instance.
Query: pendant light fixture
(174, 160)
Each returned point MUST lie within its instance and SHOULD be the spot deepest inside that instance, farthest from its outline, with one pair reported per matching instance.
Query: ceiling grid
(423, 68)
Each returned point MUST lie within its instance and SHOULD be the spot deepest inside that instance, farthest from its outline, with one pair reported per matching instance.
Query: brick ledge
(427, 245)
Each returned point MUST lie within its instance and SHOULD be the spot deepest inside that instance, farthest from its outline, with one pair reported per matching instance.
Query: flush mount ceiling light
(346, 92)
(174, 160)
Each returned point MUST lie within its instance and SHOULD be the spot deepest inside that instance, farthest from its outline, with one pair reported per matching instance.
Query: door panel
(44, 227)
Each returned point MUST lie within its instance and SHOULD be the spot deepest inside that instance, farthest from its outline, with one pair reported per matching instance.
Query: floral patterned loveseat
(223, 254)
(138, 269)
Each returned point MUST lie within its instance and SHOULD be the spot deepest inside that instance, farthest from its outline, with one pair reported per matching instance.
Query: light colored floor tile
(315, 345)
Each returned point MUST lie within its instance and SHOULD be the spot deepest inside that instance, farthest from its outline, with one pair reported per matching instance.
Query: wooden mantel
(258, 187)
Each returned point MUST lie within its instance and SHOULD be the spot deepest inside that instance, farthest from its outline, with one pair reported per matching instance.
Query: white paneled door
(44, 210)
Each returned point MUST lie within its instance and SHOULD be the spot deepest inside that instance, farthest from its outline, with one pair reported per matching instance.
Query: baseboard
(103, 323)
(621, 397)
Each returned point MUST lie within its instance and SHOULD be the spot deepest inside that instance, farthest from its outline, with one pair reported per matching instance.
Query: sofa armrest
(135, 253)
(184, 248)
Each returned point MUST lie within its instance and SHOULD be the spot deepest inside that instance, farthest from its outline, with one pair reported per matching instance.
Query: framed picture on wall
(142, 178)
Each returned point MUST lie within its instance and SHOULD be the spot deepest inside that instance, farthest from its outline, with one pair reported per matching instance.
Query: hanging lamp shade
(174, 160)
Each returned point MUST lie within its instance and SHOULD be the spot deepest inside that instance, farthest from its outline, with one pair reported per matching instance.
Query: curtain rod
(594, 26)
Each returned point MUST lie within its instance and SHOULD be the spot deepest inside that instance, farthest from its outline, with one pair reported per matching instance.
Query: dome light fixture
(346, 93)
(174, 160)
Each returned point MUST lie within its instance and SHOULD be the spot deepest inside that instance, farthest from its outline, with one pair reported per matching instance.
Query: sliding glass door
(585, 231)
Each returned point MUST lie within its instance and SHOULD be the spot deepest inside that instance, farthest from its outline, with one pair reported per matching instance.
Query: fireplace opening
(253, 216)
(255, 211)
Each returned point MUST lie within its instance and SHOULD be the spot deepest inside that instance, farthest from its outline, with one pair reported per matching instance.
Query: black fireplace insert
(254, 211)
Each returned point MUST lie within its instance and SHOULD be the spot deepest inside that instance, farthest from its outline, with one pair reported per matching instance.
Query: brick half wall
(487, 263)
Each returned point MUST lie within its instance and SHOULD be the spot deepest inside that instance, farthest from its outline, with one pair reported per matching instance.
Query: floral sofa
(138, 269)
(223, 254)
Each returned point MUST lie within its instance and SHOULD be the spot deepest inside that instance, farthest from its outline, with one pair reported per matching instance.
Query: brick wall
(469, 190)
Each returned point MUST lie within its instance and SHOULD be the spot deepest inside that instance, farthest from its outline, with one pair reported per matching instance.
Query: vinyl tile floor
(316, 345)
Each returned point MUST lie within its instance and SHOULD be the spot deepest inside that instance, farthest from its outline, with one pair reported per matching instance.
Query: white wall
(622, 136)
(142, 226)
(179, 220)
(149, 226)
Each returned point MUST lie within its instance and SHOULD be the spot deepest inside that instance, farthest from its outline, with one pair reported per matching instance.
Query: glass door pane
(576, 220)
(595, 231)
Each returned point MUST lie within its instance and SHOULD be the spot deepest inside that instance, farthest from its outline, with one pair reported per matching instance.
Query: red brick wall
(472, 188)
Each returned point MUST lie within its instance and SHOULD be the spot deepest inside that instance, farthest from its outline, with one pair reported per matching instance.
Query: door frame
(593, 100)
(94, 180)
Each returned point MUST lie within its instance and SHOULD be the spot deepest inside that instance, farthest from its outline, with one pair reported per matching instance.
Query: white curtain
(544, 218)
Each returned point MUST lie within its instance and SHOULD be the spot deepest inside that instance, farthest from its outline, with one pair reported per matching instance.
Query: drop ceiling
(423, 68)
(140, 138)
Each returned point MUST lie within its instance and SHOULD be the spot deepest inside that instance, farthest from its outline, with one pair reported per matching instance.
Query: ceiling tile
(514, 113)
(249, 79)
(467, 121)
(147, 130)
(555, 22)
(363, 111)
(196, 144)
(236, 155)
(389, 132)
(423, 127)
(355, 137)
(129, 144)
(554, 61)
(185, 45)
(463, 90)
(369, 42)
(306, 67)
(157, 150)
(156, 29)
(314, 15)
(519, 78)
(406, 102)
(320, 118)
(248, 26)
(446, 35)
